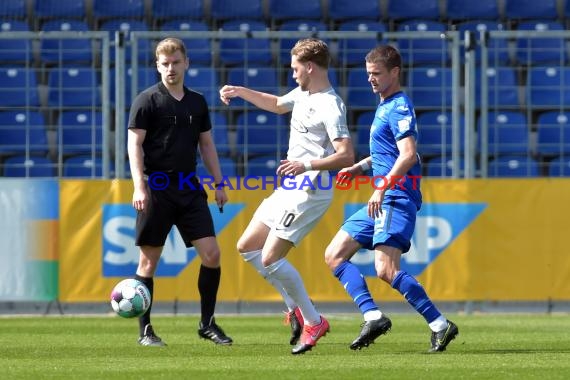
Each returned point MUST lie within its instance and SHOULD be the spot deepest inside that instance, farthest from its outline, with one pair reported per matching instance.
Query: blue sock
(354, 284)
(416, 296)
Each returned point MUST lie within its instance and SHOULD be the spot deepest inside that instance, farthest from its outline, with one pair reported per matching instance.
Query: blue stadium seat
(260, 132)
(354, 10)
(363, 123)
(264, 165)
(429, 87)
(546, 50)
(264, 79)
(227, 166)
(333, 78)
(206, 81)
(241, 51)
(359, 92)
(13, 9)
(553, 135)
(442, 166)
(83, 166)
(513, 166)
(351, 51)
(220, 133)
(409, 9)
(18, 87)
(308, 10)
(23, 132)
(81, 132)
(434, 133)
(29, 166)
(145, 54)
(147, 76)
(469, 10)
(176, 9)
(67, 9)
(64, 51)
(548, 87)
(508, 133)
(497, 48)
(104, 9)
(199, 50)
(423, 50)
(559, 167)
(73, 87)
(301, 25)
(502, 87)
(222, 10)
(15, 50)
(521, 9)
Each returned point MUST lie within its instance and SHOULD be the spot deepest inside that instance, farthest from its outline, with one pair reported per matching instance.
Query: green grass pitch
(507, 346)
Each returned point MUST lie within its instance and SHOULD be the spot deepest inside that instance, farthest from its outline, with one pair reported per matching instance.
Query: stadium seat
(64, 51)
(548, 87)
(165, 10)
(553, 135)
(508, 133)
(262, 79)
(227, 166)
(23, 132)
(73, 87)
(29, 166)
(469, 10)
(351, 51)
(147, 76)
(106, 9)
(199, 50)
(359, 94)
(537, 51)
(220, 133)
(513, 166)
(145, 54)
(502, 87)
(434, 133)
(81, 132)
(497, 48)
(281, 11)
(18, 87)
(526, 9)
(15, 50)
(363, 123)
(302, 25)
(223, 10)
(260, 132)
(264, 165)
(206, 81)
(83, 166)
(13, 9)
(429, 87)
(421, 51)
(559, 167)
(410, 9)
(442, 166)
(63, 9)
(354, 10)
(245, 51)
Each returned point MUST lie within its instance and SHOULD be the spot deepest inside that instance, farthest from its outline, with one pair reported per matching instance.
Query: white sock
(372, 315)
(439, 324)
(254, 258)
(283, 271)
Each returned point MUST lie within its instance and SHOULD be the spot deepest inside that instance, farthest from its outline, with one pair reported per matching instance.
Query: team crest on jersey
(404, 124)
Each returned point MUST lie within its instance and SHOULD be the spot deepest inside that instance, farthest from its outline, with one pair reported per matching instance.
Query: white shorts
(292, 214)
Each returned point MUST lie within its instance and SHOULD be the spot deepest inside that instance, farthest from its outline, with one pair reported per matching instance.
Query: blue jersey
(394, 120)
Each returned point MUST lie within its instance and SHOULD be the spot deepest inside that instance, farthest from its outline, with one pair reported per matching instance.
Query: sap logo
(120, 255)
(437, 226)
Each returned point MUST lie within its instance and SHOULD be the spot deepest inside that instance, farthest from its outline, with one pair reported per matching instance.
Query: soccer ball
(130, 298)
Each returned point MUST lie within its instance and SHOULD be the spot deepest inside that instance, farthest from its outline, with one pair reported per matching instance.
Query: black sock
(208, 283)
(145, 318)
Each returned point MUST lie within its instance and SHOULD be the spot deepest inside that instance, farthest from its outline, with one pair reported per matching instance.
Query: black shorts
(186, 209)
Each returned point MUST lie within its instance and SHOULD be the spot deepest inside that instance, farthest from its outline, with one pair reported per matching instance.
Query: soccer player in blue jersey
(387, 222)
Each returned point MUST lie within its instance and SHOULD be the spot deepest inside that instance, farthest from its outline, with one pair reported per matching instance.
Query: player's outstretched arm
(263, 100)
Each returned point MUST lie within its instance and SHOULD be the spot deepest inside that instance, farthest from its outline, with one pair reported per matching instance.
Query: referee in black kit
(167, 124)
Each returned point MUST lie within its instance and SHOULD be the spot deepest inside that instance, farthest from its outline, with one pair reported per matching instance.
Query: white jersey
(316, 120)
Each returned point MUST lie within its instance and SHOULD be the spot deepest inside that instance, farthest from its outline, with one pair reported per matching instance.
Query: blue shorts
(394, 227)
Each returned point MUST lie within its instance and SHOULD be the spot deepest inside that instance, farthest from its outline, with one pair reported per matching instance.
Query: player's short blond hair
(313, 50)
(169, 46)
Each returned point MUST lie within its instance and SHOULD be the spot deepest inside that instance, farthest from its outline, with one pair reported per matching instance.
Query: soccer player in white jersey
(319, 141)
(387, 222)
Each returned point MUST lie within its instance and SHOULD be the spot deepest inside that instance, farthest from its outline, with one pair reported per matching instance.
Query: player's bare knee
(332, 258)
(211, 258)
